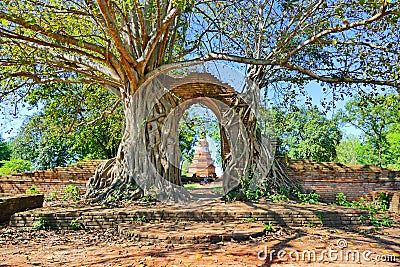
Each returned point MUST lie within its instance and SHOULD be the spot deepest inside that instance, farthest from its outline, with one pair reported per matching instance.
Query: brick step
(13, 204)
(287, 215)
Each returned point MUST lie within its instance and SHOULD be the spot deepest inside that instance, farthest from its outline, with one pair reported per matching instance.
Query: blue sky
(316, 92)
(10, 124)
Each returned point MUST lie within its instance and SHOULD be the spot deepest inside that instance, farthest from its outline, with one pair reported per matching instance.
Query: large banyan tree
(128, 46)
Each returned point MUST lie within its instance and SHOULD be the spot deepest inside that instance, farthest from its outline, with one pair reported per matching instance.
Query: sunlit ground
(214, 188)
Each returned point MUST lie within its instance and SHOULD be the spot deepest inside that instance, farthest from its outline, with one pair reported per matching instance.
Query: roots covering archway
(148, 160)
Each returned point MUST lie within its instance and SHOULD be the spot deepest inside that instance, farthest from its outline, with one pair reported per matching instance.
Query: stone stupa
(202, 163)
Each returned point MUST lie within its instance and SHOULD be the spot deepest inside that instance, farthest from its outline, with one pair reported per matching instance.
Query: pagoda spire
(202, 164)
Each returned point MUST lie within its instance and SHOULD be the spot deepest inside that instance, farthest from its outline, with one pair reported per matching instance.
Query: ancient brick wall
(327, 179)
(355, 181)
(48, 181)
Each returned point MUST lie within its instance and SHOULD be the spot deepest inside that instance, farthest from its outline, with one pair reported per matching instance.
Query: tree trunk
(147, 162)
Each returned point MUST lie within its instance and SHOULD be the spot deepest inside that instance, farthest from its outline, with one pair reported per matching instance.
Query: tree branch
(107, 112)
(337, 29)
(59, 37)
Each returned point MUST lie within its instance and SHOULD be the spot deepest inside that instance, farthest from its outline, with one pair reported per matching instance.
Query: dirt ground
(289, 247)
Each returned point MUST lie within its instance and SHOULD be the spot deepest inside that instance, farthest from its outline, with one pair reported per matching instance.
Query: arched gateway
(150, 156)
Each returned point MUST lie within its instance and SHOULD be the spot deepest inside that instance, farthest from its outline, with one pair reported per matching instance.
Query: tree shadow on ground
(372, 239)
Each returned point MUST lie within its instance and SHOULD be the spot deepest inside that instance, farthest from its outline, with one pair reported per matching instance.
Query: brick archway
(220, 98)
(148, 159)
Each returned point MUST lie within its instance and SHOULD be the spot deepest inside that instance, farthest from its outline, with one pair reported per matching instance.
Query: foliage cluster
(53, 196)
(377, 209)
(305, 132)
(138, 219)
(32, 190)
(378, 119)
(71, 192)
(5, 151)
(249, 192)
(51, 138)
(14, 166)
(42, 224)
(75, 224)
(269, 227)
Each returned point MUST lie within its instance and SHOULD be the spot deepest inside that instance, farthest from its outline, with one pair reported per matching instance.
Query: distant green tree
(188, 135)
(375, 117)
(306, 133)
(5, 151)
(349, 150)
(72, 125)
(393, 138)
(34, 144)
(14, 166)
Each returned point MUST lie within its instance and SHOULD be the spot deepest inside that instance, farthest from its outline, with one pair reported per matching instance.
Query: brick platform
(286, 214)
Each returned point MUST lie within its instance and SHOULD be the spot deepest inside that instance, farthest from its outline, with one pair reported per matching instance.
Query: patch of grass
(42, 224)
(32, 190)
(218, 190)
(75, 224)
(192, 186)
(249, 220)
(269, 227)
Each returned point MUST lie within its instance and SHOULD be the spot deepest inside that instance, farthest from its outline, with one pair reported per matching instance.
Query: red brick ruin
(202, 164)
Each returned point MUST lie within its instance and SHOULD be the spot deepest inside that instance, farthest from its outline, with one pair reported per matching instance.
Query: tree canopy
(49, 138)
(119, 44)
(306, 133)
(378, 118)
(5, 151)
(349, 150)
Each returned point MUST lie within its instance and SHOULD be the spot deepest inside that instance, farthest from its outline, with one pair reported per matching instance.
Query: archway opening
(200, 146)
(198, 122)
